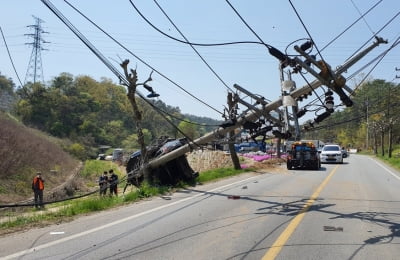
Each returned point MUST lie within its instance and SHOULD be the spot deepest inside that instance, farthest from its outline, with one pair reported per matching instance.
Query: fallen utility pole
(252, 116)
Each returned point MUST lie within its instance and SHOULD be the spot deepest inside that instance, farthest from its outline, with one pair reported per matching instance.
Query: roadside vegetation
(65, 211)
(394, 160)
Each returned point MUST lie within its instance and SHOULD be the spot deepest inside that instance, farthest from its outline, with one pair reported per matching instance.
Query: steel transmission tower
(34, 73)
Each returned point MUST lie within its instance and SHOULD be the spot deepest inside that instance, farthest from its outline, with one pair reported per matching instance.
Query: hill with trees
(93, 113)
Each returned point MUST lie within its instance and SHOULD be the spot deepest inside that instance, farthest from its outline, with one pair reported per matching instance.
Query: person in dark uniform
(113, 183)
(103, 182)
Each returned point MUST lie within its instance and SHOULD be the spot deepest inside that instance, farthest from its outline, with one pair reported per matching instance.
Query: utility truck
(303, 155)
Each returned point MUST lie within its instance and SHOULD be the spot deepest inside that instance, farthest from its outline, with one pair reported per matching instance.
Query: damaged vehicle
(170, 173)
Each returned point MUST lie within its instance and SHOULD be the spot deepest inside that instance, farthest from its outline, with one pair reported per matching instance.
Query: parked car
(331, 153)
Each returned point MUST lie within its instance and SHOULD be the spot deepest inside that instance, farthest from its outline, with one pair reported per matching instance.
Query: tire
(289, 166)
(316, 166)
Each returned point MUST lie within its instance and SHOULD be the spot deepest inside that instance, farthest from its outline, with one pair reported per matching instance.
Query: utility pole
(34, 73)
(266, 109)
(232, 116)
(367, 135)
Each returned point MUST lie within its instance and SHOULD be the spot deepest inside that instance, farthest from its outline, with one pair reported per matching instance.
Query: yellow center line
(285, 235)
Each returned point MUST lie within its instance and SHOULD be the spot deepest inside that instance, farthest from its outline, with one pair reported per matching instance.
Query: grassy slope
(23, 152)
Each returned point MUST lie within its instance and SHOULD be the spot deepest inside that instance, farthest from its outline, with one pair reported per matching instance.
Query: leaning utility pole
(327, 77)
(232, 116)
(34, 73)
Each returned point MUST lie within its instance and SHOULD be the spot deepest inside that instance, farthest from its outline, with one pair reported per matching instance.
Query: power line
(380, 58)
(345, 30)
(194, 49)
(362, 16)
(308, 33)
(244, 21)
(188, 42)
(181, 119)
(9, 55)
(141, 60)
(373, 36)
(348, 120)
(96, 52)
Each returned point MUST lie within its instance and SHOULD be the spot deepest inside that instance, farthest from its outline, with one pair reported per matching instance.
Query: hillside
(23, 152)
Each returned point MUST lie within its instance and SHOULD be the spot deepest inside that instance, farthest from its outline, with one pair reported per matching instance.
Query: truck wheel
(316, 167)
(289, 166)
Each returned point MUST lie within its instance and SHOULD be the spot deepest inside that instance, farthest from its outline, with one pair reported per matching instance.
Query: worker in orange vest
(38, 187)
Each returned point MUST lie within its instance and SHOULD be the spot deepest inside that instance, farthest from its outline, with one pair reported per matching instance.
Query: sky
(180, 73)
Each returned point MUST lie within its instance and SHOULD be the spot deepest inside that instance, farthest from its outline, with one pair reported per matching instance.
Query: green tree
(131, 142)
(188, 129)
(6, 85)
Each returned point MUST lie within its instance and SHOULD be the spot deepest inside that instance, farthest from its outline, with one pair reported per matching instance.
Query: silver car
(331, 153)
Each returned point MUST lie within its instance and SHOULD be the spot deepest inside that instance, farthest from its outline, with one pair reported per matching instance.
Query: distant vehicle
(101, 156)
(344, 153)
(118, 154)
(331, 153)
(303, 155)
(249, 147)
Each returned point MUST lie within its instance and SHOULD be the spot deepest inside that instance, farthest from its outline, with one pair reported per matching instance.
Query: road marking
(37, 248)
(57, 233)
(285, 235)
(389, 171)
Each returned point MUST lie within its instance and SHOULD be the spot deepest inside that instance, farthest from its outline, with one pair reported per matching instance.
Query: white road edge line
(389, 171)
(30, 250)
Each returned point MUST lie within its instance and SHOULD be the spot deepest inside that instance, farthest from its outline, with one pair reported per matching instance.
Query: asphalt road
(345, 211)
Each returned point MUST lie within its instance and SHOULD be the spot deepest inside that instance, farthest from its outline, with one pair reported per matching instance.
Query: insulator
(301, 113)
(322, 116)
(277, 54)
(307, 45)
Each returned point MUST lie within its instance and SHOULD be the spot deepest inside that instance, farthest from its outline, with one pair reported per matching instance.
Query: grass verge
(394, 161)
(65, 211)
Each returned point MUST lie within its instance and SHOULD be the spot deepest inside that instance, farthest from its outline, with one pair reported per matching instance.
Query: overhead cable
(379, 58)
(188, 42)
(194, 49)
(362, 16)
(12, 62)
(141, 60)
(373, 36)
(95, 51)
(351, 25)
